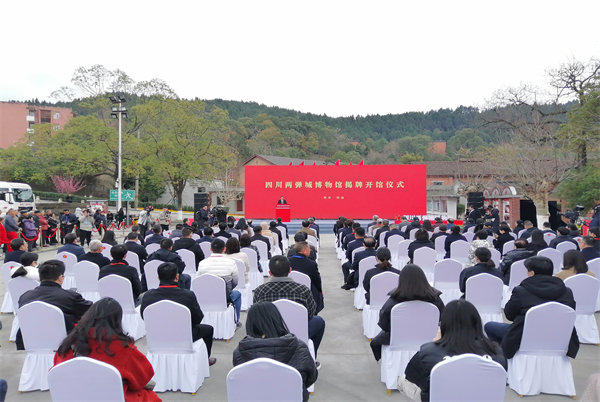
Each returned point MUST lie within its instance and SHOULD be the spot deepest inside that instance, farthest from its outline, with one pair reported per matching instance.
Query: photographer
(164, 219)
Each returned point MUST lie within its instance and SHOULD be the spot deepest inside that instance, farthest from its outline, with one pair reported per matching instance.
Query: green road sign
(126, 195)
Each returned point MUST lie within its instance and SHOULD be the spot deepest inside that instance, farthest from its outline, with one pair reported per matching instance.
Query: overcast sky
(335, 57)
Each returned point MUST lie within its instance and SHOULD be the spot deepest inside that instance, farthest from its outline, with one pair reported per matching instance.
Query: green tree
(466, 139)
(409, 158)
(417, 145)
(582, 190)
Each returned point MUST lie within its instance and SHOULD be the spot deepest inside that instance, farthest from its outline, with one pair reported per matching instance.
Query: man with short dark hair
(280, 223)
(258, 236)
(186, 223)
(350, 237)
(384, 228)
(301, 237)
(528, 229)
(403, 222)
(538, 288)
(95, 254)
(157, 236)
(394, 231)
(223, 230)
(301, 263)
(119, 266)
(177, 231)
(359, 235)
(520, 252)
(168, 274)
(208, 236)
(547, 228)
(351, 281)
(282, 287)
(71, 246)
(563, 235)
(587, 248)
(440, 233)
(273, 229)
(473, 214)
(19, 248)
(307, 229)
(165, 254)
(232, 229)
(133, 246)
(187, 242)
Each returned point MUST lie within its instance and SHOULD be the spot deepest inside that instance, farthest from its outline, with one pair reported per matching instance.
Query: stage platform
(325, 225)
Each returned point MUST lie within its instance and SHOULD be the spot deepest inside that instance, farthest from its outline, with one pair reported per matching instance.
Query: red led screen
(327, 192)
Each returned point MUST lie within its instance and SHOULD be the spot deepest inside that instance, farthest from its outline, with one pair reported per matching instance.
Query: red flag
(337, 163)
(350, 162)
(301, 163)
(361, 163)
(290, 163)
(315, 163)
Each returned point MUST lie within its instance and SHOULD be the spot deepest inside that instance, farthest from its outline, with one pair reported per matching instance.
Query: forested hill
(438, 124)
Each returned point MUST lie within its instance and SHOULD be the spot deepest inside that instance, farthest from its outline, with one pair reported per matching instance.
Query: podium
(283, 211)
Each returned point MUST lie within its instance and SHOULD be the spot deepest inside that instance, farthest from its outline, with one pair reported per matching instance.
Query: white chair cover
(359, 293)
(446, 279)
(413, 323)
(205, 246)
(556, 257)
(244, 288)
(69, 260)
(393, 244)
(86, 276)
(189, 259)
(300, 278)
(354, 252)
(167, 233)
(284, 237)
(196, 236)
(7, 303)
(264, 255)
(43, 329)
(471, 230)
(133, 260)
(246, 382)
(467, 378)
(150, 248)
(513, 235)
(469, 236)
(119, 288)
(594, 266)
(425, 258)
(541, 364)
(85, 380)
(175, 239)
(585, 291)
(521, 232)
(340, 251)
(518, 272)
(508, 246)
(178, 363)
(382, 239)
(548, 237)
(381, 285)
(275, 245)
(255, 277)
(565, 246)
(17, 287)
(211, 294)
(485, 291)
(151, 273)
(106, 250)
(412, 234)
(223, 238)
(440, 243)
(459, 251)
(496, 256)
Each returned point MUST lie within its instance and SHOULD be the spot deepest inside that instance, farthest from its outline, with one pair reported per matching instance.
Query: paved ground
(349, 372)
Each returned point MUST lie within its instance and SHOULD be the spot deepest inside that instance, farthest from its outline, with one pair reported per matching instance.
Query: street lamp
(119, 113)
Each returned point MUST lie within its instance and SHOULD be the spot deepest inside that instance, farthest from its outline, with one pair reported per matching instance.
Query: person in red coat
(3, 238)
(99, 335)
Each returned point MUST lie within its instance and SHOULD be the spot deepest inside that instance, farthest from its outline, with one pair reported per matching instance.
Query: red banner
(327, 192)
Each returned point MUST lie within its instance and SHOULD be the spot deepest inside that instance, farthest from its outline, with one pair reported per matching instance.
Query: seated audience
(275, 231)
(118, 266)
(383, 256)
(133, 247)
(246, 242)
(480, 240)
(100, 336)
(187, 242)
(385, 227)
(165, 254)
(502, 237)
(483, 265)
(428, 226)
(140, 236)
(109, 238)
(258, 236)
(461, 332)
(19, 248)
(587, 248)
(412, 285)
(563, 235)
(528, 229)
(451, 238)
(208, 236)
(28, 267)
(233, 248)
(176, 232)
(298, 237)
(351, 281)
(301, 263)
(547, 228)
(442, 232)
(537, 242)
(573, 230)
(392, 232)
(71, 246)
(520, 252)
(421, 240)
(305, 228)
(156, 236)
(223, 230)
(415, 224)
(594, 231)
(519, 227)
(95, 254)
(268, 336)
(540, 287)
(573, 263)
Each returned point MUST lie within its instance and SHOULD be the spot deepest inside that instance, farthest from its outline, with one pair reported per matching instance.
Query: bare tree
(226, 185)
(472, 174)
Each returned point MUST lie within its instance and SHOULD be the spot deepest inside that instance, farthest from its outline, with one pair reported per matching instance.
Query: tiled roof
(456, 168)
(282, 161)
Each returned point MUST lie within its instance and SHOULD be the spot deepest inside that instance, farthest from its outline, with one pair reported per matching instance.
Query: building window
(444, 206)
(56, 115)
(45, 116)
(240, 205)
(437, 183)
(32, 112)
(56, 127)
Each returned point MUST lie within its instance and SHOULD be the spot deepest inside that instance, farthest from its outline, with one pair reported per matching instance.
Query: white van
(17, 196)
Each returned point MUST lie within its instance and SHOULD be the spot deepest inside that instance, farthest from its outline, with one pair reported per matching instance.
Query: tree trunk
(179, 192)
(582, 154)
(541, 205)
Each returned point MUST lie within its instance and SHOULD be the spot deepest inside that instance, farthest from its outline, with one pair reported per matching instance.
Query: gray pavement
(349, 372)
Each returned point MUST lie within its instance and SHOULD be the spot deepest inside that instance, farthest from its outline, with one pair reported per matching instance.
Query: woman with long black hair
(383, 256)
(109, 238)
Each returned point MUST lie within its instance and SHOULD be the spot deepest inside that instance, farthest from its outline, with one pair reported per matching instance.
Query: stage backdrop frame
(331, 191)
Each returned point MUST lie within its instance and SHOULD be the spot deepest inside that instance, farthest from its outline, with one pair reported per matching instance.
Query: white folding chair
(223, 238)
(470, 230)
(119, 288)
(469, 236)
(496, 256)
(133, 260)
(264, 255)
(585, 291)
(440, 244)
(520, 233)
(189, 259)
(167, 233)
(382, 239)
(412, 234)
(548, 237)
(301, 278)
(86, 276)
(459, 251)
(338, 248)
(245, 382)
(82, 379)
(175, 239)
(381, 285)
(446, 279)
(275, 245)
(518, 273)
(594, 266)
(541, 364)
(179, 363)
(513, 235)
(106, 250)
(69, 260)
(508, 246)
(556, 257)
(150, 248)
(255, 277)
(425, 258)
(467, 378)
(485, 291)
(313, 242)
(359, 293)
(356, 251)
(393, 244)
(17, 287)
(413, 323)
(565, 246)
(151, 273)
(244, 288)
(43, 329)
(196, 236)
(210, 291)
(205, 247)
(7, 303)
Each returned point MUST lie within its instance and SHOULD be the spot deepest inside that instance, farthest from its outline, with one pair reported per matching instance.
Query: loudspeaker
(200, 200)
(475, 199)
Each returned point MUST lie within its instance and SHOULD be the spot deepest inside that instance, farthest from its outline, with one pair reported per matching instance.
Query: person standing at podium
(282, 200)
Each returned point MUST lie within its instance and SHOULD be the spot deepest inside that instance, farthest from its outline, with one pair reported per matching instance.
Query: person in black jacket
(298, 237)
(502, 238)
(50, 291)
(540, 287)
(358, 242)
(258, 236)
(412, 285)
(118, 266)
(587, 248)
(528, 229)
(384, 265)
(301, 263)
(461, 332)
(537, 242)
(207, 236)
(186, 242)
(442, 232)
(268, 336)
(95, 254)
(484, 265)
(451, 238)
(273, 229)
(156, 237)
(136, 248)
(168, 289)
(421, 240)
(520, 252)
(519, 227)
(351, 281)
(392, 232)
(19, 248)
(165, 254)
(563, 235)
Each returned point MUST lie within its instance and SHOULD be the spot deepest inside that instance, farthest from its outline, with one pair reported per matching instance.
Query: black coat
(417, 244)
(418, 370)
(353, 245)
(121, 268)
(511, 257)
(501, 240)
(533, 291)
(14, 256)
(436, 235)
(358, 257)
(280, 236)
(265, 240)
(589, 253)
(391, 233)
(561, 238)
(190, 244)
(312, 255)
(381, 230)
(155, 238)
(480, 268)
(286, 349)
(171, 291)
(96, 258)
(451, 238)
(300, 263)
(167, 256)
(71, 248)
(370, 274)
(527, 233)
(139, 250)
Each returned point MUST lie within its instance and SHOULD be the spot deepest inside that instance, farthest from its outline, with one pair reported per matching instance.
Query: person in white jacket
(219, 264)
(28, 267)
